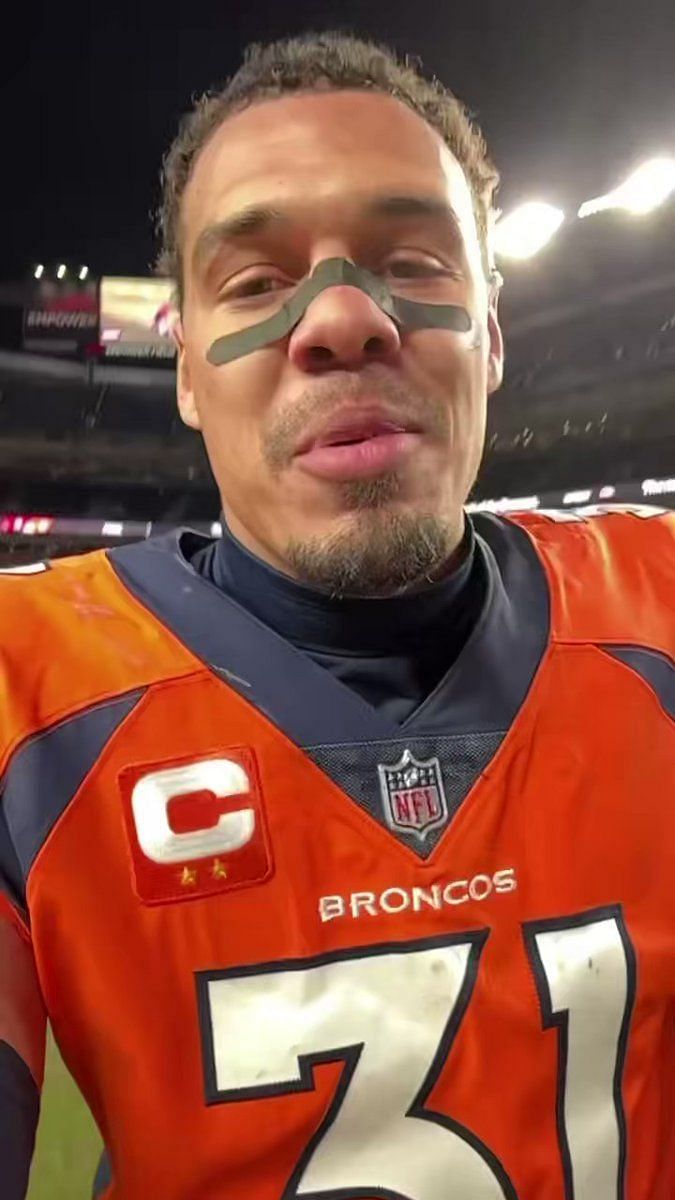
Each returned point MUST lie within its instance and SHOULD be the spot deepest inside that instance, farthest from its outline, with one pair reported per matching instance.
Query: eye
(253, 287)
(411, 267)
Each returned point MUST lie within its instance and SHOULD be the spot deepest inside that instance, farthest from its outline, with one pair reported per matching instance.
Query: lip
(372, 455)
(356, 425)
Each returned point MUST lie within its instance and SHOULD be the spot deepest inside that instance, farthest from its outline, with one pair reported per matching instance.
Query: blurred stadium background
(92, 451)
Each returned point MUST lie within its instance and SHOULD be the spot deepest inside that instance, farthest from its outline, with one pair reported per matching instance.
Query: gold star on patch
(218, 869)
(188, 876)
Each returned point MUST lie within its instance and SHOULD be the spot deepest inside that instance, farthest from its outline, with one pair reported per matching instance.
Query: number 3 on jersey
(390, 1013)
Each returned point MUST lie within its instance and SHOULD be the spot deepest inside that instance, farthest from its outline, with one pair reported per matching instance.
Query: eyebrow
(412, 206)
(243, 224)
(257, 219)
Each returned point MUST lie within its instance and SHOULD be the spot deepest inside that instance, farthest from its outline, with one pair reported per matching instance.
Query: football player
(339, 851)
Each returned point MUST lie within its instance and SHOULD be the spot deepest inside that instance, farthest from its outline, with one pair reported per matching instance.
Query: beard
(375, 552)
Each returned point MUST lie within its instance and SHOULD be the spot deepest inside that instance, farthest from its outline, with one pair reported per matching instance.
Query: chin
(372, 552)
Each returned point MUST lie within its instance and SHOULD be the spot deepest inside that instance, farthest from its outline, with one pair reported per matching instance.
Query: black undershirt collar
(318, 623)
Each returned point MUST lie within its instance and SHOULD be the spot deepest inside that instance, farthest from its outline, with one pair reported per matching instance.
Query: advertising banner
(137, 316)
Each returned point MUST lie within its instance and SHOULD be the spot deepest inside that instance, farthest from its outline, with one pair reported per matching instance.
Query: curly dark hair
(321, 62)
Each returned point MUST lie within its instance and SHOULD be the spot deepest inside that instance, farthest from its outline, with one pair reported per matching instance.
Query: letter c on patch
(150, 800)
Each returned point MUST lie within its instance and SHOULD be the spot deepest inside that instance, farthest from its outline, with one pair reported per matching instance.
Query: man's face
(280, 187)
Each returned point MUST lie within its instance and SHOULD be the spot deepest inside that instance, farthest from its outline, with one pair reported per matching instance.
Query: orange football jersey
(290, 950)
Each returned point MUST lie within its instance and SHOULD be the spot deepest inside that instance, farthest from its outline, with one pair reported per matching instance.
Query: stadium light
(84, 271)
(39, 271)
(526, 230)
(61, 272)
(647, 188)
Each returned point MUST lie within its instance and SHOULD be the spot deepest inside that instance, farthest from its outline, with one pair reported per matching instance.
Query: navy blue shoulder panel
(103, 1177)
(45, 773)
(657, 670)
(289, 687)
(11, 875)
(488, 684)
(19, 1111)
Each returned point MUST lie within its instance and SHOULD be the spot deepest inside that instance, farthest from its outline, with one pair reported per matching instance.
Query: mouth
(358, 446)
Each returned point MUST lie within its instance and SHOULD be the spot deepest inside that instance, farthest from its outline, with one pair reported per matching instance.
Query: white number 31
(390, 1013)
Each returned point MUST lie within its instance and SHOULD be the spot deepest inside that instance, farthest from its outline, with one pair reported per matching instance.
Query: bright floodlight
(648, 187)
(61, 273)
(526, 230)
(39, 271)
(84, 271)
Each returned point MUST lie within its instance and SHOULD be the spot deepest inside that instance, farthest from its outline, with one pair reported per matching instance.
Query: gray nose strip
(408, 314)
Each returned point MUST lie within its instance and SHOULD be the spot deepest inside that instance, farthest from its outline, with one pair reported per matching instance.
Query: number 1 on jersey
(585, 974)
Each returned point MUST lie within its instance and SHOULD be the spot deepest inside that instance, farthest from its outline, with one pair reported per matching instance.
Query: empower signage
(61, 318)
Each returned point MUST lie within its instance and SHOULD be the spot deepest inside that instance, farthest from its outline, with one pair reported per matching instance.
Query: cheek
(453, 368)
(456, 375)
(233, 403)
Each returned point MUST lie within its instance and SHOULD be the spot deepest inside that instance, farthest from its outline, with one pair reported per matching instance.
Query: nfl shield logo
(413, 796)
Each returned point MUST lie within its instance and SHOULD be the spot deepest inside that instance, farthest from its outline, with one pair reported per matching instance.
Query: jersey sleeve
(22, 1049)
(611, 571)
(22, 1012)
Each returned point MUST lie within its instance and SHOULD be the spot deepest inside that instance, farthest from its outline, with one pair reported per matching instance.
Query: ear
(495, 370)
(184, 393)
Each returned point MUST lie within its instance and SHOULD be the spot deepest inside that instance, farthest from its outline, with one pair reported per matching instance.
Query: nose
(343, 329)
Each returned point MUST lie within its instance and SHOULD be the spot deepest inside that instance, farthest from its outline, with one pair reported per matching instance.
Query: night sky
(571, 95)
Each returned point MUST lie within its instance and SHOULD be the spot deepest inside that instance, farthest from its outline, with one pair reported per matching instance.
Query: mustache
(284, 430)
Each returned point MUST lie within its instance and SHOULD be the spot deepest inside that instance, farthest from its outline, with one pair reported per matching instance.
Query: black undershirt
(392, 651)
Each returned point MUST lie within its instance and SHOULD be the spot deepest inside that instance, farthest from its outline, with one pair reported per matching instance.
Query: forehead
(315, 150)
